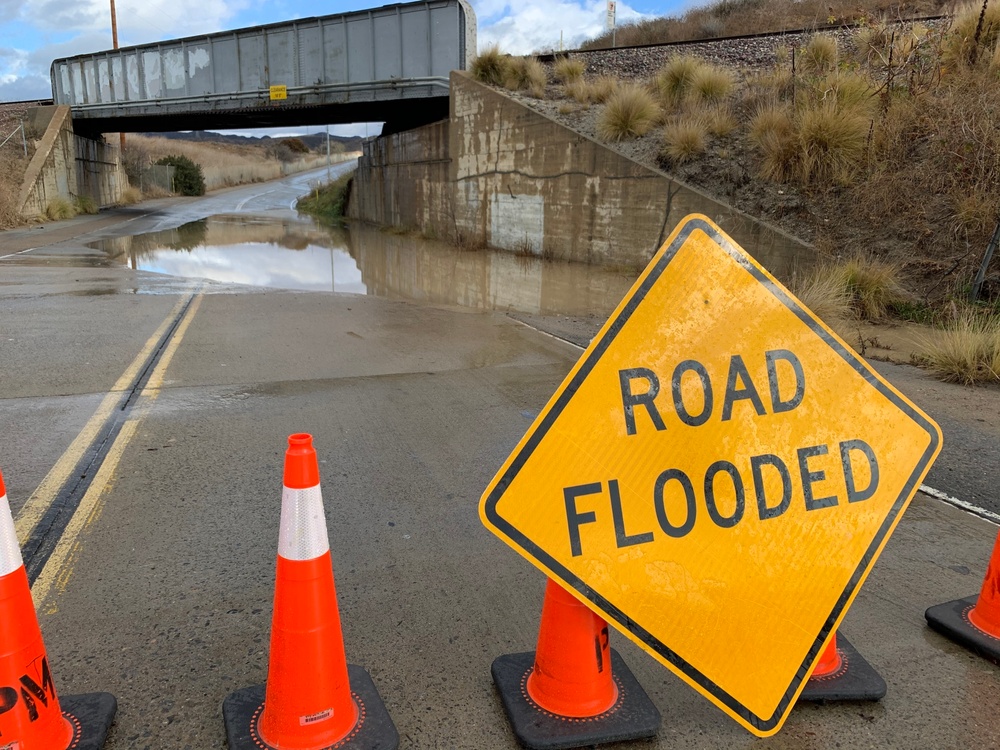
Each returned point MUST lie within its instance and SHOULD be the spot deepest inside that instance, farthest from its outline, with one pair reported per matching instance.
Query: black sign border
(570, 580)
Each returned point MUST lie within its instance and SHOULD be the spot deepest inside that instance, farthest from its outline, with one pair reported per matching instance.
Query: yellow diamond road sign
(716, 476)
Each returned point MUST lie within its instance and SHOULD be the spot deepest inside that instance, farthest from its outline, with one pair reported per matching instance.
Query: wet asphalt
(167, 598)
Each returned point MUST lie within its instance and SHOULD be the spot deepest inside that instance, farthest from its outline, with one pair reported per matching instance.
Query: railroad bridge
(387, 64)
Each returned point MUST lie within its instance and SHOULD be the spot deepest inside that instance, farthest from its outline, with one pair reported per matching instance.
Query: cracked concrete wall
(521, 181)
(66, 166)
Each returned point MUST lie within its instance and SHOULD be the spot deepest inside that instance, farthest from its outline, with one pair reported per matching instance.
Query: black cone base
(856, 680)
(633, 716)
(951, 620)
(91, 715)
(374, 730)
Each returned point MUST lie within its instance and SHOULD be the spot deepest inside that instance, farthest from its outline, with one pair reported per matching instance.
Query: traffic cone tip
(301, 467)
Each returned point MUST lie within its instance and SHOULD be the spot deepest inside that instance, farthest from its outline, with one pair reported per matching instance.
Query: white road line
(242, 203)
(19, 252)
(975, 510)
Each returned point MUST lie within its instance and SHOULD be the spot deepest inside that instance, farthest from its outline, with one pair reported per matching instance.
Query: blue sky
(34, 32)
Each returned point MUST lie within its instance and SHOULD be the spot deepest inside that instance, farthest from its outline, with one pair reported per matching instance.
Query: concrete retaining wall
(67, 166)
(500, 173)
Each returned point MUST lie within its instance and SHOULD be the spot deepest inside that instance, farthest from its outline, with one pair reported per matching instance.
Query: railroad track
(744, 51)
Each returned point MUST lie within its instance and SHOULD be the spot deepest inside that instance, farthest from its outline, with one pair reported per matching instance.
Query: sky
(35, 32)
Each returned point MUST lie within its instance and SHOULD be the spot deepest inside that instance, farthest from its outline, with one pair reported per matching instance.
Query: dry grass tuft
(131, 196)
(772, 133)
(673, 80)
(579, 91)
(962, 45)
(710, 84)
(490, 66)
(966, 351)
(684, 139)
(823, 291)
(628, 113)
(875, 286)
(603, 87)
(525, 73)
(850, 90)
(568, 69)
(720, 120)
(59, 208)
(831, 144)
(84, 204)
(820, 55)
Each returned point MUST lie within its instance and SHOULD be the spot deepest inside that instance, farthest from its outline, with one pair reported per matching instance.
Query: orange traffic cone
(573, 690)
(313, 698)
(842, 674)
(974, 622)
(31, 717)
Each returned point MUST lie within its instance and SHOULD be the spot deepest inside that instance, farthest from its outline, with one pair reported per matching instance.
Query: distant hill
(313, 140)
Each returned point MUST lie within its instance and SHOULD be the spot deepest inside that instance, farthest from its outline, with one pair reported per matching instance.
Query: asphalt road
(162, 407)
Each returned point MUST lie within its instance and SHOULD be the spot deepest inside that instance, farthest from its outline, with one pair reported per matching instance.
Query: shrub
(490, 66)
(966, 351)
(629, 112)
(831, 143)
(819, 55)
(684, 139)
(567, 69)
(296, 145)
(329, 202)
(188, 177)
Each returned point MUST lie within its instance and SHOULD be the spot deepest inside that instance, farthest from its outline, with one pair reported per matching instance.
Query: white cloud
(536, 26)
(137, 22)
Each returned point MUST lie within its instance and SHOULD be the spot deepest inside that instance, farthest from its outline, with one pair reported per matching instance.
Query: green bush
(328, 202)
(188, 177)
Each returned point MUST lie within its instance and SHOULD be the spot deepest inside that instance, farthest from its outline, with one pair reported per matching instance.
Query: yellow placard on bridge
(716, 476)
(279, 92)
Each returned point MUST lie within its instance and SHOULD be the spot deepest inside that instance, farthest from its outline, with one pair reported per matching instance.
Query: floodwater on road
(296, 254)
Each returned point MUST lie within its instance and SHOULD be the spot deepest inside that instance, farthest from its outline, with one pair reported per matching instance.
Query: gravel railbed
(754, 53)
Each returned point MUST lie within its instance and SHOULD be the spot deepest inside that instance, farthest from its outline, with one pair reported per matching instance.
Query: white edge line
(19, 252)
(975, 510)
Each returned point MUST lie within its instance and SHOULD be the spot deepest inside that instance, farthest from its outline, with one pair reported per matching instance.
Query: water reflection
(232, 250)
(290, 254)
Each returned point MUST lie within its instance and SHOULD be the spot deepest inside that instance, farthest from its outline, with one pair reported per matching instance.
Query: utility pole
(114, 41)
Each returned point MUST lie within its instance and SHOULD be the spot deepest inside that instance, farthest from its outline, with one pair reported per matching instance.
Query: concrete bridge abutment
(68, 166)
(498, 173)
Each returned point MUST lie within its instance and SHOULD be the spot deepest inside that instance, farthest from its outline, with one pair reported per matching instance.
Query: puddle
(291, 254)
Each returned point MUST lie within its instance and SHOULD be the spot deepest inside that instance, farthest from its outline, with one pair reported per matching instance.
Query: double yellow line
(58, 569)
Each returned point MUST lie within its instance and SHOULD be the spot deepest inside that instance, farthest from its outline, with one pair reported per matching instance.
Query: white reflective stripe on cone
(302, 534)
(10, 550)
